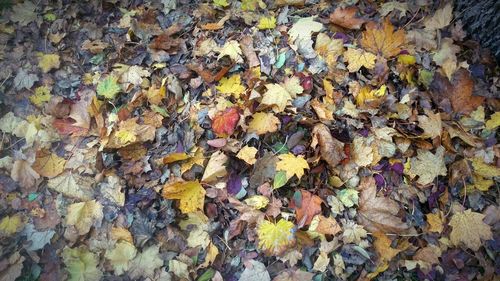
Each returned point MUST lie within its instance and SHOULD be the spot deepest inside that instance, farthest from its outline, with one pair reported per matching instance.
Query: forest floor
(246, 140)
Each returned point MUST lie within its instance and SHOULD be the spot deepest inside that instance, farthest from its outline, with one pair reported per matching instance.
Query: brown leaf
(346, 18)
(378, 213)
(306, 206)
(331, 149)
(165, 42)
(461, 96)
(249, 52)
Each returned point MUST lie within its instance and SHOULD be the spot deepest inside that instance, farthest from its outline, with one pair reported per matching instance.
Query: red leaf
(224, 123)
(306, 207)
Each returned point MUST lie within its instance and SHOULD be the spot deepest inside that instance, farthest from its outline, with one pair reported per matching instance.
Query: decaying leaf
(215, 167)
(346, 17)
(331, 149)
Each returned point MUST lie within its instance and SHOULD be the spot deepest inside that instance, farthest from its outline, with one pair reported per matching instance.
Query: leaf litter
(246, 140)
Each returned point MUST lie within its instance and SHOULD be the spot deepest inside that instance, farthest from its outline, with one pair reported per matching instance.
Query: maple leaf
(303, 29)
(388, 7)
(215, 167)
(431, 124)
(357, 58)
(353, 233)
(277, 97)
(263, 123)
(266, 23)
(190, 193)
(145, 263)
(378, 212)
(231, 49)
(446, 57)
(324, 225)
(120, 256)
(306, 206)
(224, 123)
(383, 247)
(231, 85)
(81, 264)
(329, 49)
(435, 221)
(428, 166)
(292, 165)
(346, 17)
(42, 95)
(494, 121)
(247, 154)
(275, 238)
(441, 18)
(48, 164)
(108, 87)
(48, 62)
(382, 40)
(11, 224)
(73, 185)
(469, 229)
(24, 13)
(84, 215)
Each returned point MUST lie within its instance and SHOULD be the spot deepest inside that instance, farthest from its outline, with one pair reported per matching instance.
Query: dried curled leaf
(331, 149)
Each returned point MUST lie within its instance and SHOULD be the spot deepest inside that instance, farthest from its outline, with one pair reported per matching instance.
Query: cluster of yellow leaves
(274, 238)
(366, 94)
(191, 195)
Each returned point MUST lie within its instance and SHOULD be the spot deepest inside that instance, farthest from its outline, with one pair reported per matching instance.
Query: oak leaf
(469, 229)
(382, 40)
(263, 123)
(275, 238)
(190, 193)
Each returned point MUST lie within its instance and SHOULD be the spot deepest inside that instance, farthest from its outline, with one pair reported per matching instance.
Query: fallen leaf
(388, 7)
(468, 229)
(277, 97)
(377, 213)
(441, 18)
(348, 197)
(119, 257)
(275, 238)
(428, 166)
(24, 174)
(47, 62)
(331, 149)
(461, 97)
(11, 224)
(81, 264)
(266, 23)
(494, 121)
(329, 49)
(446, 57)
(190, 193)
(257, 201)
(294, 275)
(255, 271)
(174, 157)
(306, 206)
(484, 170)
(48, 164)
(231, 85)
(292, 165)
(431, 124)
(225, 122)
(84, 215)
(353, 233)
(108, 87)
(263, 123)
(382, 40)
(303, 29)
(435, 221)
(357, 58)
(215, 167)
(73, 185)
(346, 17)
(231, 49)
(145, 263)
(383, 247)
(41, 96)
(321, 262)
(247, 154)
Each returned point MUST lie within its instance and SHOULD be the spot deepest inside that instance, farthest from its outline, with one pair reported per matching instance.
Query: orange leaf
(224, 123)
(461, 97)
(346, 18)
(306, 206)
(382, 40)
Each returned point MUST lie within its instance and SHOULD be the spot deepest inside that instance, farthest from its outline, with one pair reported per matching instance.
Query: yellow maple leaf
(267, 23)
(469, 229)
(263, 123)
(48, 62)
(275, 238)
(120, 256)
(11, 224)
(276, 96)
(356, 58)
(382, 40)
(292, 165)
(48, 164)
(83, 215)
(232, 49)
(247, 154)
(190, 193)
(329, 49)
(42, 94)
(231, 85)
